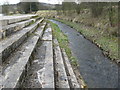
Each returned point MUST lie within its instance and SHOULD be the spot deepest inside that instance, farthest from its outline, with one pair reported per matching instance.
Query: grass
(31, 23)
(108, 44)
(46, 13)
(63, 42)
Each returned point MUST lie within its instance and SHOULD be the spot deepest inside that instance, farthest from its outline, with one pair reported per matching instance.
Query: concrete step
(41, 72)
(47, 77)
(46, 73)
(12, 28)
(6, 20)
(75, 78)
(8, 45)
(47, 34)
(38, 62)
(14, 73)
(36, 18)
(71, 76)
(61, 75)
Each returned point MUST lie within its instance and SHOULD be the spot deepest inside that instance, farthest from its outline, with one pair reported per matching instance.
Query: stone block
(18, 70)
(11, 43)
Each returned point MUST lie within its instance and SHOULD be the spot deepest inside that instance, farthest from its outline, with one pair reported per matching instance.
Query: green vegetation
(101, 15)
(97, 21)
(32, 22)
(105, 42)
(28, 7)
(63, 42)
(5, 8)
(47, 13)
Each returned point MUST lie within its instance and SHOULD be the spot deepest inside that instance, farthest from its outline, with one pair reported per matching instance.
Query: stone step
(47, 34)
(75, 81)
(12, 28)
(8, 45)
(47, 77)
(6, 20)
(36, 18)
(14, 73)
(46, 74)
(41, 72)
(71, 76)
(61, 75)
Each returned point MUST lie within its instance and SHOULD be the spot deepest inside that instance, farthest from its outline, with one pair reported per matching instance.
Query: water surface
(96, 69)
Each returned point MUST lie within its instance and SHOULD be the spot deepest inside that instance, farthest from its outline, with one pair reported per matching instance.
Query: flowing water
(96, 69)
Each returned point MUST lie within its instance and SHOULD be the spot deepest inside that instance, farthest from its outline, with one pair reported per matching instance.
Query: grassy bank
(108, 44)
(63, 42)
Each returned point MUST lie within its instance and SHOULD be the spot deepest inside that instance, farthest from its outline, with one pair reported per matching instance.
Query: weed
(63, 42)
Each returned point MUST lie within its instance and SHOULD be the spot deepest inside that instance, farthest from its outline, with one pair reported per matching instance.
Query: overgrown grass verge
(108, 44)
(63, 42)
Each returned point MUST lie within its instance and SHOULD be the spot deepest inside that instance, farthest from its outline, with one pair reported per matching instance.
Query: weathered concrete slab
(42, 66)
(48, 80)
(6, 20)
(46, 74)
(3, 22)
(1, 32)
(9, 29)
(35, 72)
(11, 43)
(16, 71)
(72, 78)
(47, 34)
(60, 68)
(35, 19)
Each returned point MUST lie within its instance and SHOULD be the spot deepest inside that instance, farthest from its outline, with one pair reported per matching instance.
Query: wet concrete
(96, 69)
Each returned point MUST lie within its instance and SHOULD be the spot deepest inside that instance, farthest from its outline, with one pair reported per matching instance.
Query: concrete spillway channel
(31, 60)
